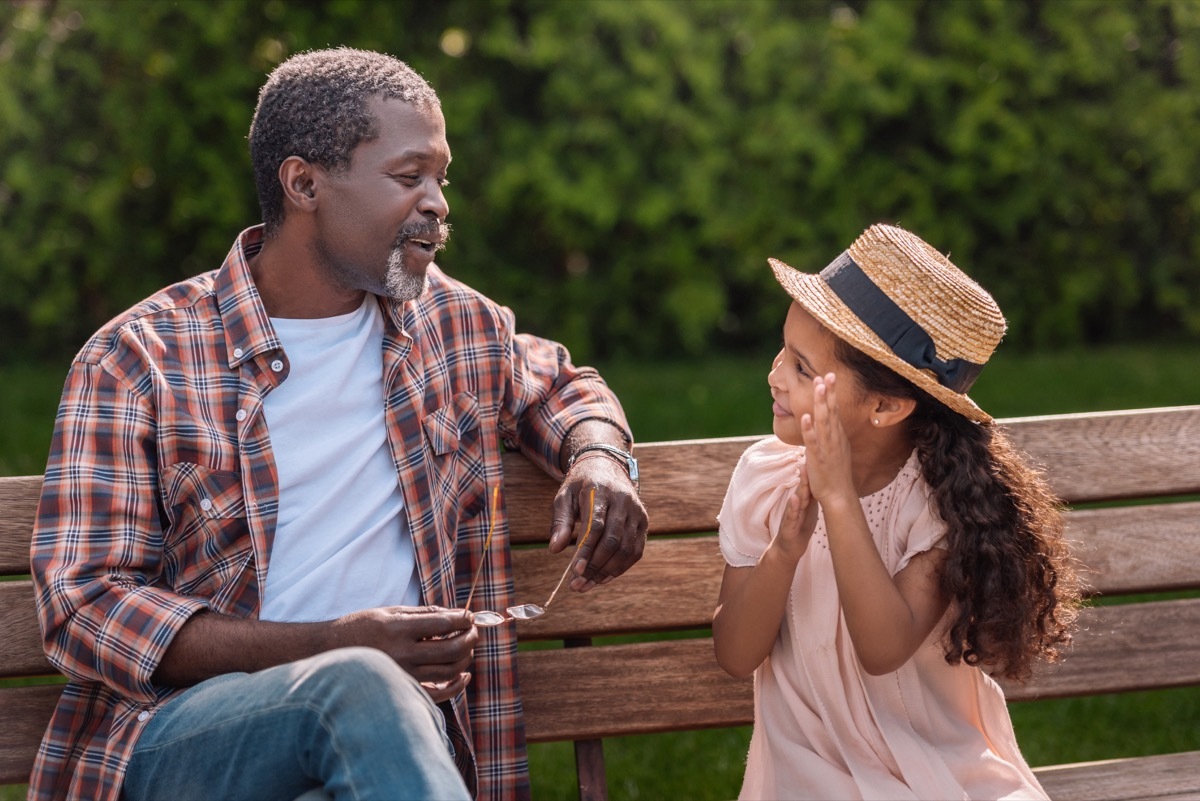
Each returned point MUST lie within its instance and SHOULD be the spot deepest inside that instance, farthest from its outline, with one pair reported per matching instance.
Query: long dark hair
(1011, 582)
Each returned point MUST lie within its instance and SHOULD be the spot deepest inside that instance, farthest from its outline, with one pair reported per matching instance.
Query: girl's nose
(775, 365)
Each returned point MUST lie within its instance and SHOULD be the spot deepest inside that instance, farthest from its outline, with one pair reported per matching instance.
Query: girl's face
(808, 351)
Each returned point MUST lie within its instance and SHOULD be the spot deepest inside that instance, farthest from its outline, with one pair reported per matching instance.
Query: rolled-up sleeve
(546, 396)
(97, 543)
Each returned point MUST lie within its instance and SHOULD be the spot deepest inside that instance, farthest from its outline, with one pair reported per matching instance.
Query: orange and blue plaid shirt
(161, 497)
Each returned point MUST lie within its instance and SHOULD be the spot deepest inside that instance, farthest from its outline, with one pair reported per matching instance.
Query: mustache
(436, 232)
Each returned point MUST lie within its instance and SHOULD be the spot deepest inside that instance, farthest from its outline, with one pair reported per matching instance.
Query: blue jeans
(350, 721)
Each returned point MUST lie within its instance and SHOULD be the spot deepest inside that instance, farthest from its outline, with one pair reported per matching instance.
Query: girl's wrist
(838, 504)
(786, 556)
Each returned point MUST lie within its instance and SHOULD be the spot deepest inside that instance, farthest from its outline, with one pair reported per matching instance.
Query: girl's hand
(799, 521)
(826, 447)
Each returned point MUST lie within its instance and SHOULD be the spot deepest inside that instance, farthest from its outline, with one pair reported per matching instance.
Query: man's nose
(434, 204)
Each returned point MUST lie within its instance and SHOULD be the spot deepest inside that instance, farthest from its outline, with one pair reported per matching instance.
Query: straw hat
(901, 302)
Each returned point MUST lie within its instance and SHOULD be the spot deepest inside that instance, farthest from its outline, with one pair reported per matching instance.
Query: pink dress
(823, 727)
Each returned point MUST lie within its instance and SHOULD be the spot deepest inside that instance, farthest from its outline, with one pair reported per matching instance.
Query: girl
(887, 549)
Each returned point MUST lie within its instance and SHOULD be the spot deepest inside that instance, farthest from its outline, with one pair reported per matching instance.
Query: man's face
(381, 221)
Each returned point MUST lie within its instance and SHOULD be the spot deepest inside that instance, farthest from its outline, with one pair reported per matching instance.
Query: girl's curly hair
(1011, 582)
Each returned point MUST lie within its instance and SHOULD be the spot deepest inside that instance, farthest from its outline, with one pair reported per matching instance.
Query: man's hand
(434, 645)
(619, 520)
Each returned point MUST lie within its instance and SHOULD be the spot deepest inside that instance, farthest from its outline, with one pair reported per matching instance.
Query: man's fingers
(562, 519)
(621, 547)
(425, 622)
(601, 546)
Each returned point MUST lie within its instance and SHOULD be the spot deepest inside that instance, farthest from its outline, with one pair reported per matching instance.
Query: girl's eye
(800, 369)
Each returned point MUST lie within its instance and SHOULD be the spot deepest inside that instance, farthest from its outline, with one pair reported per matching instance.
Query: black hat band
(906, 338)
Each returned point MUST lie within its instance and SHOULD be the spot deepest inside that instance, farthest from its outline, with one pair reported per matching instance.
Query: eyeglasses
(522, 611)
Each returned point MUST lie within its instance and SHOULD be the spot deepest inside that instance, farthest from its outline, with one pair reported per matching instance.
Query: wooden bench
(1099, 461)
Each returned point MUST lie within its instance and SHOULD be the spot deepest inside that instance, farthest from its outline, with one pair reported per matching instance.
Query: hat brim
(812, 293)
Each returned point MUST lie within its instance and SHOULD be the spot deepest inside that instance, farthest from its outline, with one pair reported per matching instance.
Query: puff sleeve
(756, 498)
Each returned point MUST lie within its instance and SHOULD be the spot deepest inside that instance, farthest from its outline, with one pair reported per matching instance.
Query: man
(269, 487)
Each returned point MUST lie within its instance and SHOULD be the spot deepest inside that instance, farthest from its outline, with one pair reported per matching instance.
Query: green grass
(29, 398)
(727, 396)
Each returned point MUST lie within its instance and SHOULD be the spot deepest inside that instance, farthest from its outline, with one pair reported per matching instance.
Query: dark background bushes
(622, 169)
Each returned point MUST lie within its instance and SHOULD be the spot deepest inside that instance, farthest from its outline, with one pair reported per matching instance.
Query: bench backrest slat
(675, 585)
(1123, 648)
(1087, 457)
(18, 504)
(1099, 456)
(27, 710)
(22, 653)
(671, 685)
(1147, 548)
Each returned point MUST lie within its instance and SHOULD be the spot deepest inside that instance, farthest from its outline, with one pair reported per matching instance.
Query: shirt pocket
(455, 439)
(207, 537)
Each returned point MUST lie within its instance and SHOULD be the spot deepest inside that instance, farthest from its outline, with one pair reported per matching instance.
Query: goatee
(399, 283)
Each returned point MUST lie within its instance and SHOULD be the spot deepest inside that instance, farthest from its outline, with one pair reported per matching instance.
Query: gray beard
(399, 283)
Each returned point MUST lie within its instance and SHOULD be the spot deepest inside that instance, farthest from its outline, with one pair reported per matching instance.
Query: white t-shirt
(342, 542)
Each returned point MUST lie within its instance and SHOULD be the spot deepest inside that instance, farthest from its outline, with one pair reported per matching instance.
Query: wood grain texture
(18, 504)
(638, 688)
(1087, 457)
(1138, 646)
(682, 486)
(1165, 778)
(20, 639)
(676, 583)
(1151, 548)
(673, 586)
(27, 710)
(677, 684)
(589, 767)
(1124, 454)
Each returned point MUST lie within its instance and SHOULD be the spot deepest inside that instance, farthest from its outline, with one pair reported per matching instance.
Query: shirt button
(241, 415)
(143, 715)
(237, 353)
(205, 504)
(277, 365)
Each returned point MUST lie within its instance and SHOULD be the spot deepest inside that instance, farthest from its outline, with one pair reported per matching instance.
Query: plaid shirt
(161, 498)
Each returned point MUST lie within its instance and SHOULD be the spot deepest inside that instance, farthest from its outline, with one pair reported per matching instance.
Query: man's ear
(889, 410)
(299, 180)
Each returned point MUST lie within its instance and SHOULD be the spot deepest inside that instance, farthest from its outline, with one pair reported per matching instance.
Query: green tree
(623, 168)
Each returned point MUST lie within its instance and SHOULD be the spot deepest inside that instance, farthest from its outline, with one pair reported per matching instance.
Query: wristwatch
(631, 465)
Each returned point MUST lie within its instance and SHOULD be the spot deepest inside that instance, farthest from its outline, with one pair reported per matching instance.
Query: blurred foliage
(623, 168)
